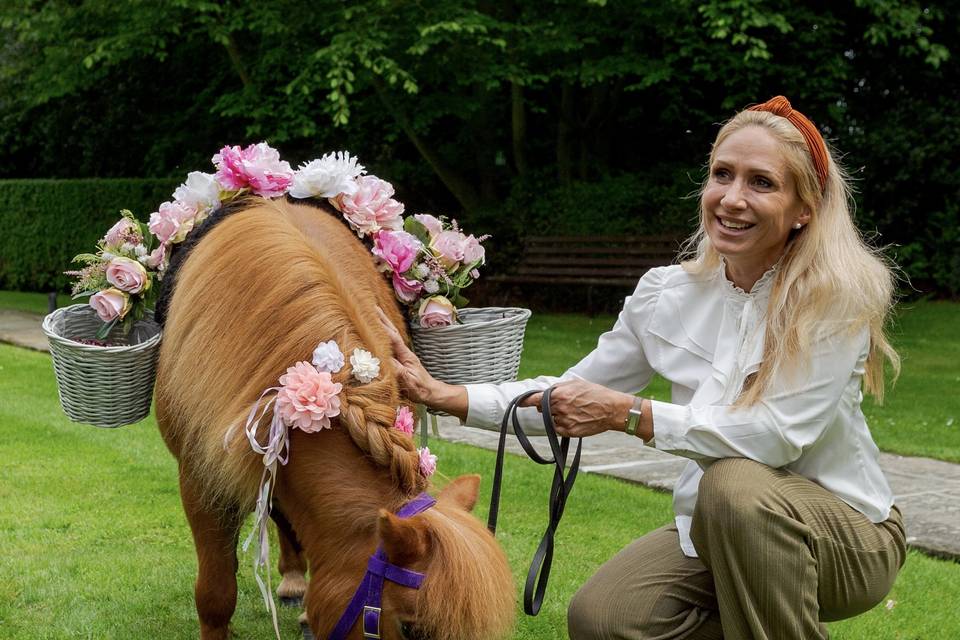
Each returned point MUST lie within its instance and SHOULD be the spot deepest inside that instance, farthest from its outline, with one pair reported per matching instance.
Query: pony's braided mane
(297, 276)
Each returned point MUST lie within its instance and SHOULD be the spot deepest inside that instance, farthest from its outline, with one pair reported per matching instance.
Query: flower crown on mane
(428, 259)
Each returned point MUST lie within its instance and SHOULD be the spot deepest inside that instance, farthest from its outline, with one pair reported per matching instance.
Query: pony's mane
(258, 288)
(481, 592)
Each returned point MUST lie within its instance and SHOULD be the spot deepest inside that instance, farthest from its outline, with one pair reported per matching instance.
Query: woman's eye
(721, 174)
(763, 182)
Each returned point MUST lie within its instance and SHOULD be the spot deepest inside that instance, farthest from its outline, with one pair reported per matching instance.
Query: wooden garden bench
(615, 261)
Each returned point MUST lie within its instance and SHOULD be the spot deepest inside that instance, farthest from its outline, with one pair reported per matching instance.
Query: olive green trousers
(779, 554)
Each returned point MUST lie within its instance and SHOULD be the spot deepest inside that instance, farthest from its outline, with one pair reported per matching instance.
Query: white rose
(366, 366)
(201, 192)
(328, 177)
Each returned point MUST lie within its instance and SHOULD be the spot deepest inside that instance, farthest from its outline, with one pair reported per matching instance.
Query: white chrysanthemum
(328, 177)
(328, 357)
(201, 192)
(366, 366)
(431, 286)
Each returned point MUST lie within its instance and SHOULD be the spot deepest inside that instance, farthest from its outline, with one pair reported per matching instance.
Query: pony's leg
(215, 538)
(292, 565)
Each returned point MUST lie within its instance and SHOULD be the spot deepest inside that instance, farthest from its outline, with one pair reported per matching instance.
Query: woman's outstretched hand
(580, 408)
(416, 383)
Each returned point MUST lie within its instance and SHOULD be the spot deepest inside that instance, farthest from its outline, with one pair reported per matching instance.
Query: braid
(369, 421)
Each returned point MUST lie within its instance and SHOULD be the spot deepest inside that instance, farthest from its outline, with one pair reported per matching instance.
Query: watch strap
(633, 417)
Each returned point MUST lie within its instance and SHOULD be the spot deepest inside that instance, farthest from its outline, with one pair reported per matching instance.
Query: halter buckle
(371, 622)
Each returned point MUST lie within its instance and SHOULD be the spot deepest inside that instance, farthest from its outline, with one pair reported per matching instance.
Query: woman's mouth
(734, 225)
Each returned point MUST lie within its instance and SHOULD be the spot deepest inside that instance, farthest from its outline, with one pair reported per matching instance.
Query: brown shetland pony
(254, 295)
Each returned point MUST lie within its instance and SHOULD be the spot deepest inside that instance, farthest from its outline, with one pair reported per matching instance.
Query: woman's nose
(733, 196)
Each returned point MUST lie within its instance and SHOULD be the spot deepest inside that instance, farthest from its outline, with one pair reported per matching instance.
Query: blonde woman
(768, 334)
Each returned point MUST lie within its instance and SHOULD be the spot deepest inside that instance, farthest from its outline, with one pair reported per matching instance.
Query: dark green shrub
(45, 223)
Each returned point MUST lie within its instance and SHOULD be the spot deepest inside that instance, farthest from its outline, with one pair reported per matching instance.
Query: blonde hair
(827, 272)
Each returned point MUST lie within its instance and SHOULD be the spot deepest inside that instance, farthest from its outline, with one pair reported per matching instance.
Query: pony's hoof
(291, 602)
(305, 628)
(292, 589)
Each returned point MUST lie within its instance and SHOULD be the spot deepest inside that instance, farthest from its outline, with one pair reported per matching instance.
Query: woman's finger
(532, 401)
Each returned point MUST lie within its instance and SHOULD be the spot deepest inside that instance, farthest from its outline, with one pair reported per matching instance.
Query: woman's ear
(804, 217)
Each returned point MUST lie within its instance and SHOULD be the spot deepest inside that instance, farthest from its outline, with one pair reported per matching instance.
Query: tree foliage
(484, 106)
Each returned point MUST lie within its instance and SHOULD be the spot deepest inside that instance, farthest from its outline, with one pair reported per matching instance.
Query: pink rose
(449, 244)
(406, 290)
(308, 398)
(436, 311)
(127, 275)
(110, 304)
(473, 251)
(433, 225)
(398, 249)
(428, 462)
(258, 166)
(124, 230)
(172, 222)
(404, 421)
(157, 258)
(372, 207)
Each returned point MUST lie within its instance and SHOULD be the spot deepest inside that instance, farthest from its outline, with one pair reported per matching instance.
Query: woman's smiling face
(750, 203)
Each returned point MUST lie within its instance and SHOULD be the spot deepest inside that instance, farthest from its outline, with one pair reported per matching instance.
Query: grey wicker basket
(486, 347)
(103, 386)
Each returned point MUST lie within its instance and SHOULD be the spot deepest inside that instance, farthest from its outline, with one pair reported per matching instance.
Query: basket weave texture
(486, 347)
(103, 386)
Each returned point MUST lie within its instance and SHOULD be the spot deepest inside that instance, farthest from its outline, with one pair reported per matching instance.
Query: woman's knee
(733, 494)
(585, 614)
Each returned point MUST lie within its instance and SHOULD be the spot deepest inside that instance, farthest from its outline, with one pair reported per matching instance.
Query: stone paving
(927, 491)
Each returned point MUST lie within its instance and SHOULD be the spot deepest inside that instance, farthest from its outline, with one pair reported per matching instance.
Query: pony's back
(256, 294)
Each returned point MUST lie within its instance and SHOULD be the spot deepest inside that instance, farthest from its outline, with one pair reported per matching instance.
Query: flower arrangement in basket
(428, 259)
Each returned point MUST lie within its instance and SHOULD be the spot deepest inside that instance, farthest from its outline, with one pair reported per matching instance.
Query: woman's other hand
(580, 408)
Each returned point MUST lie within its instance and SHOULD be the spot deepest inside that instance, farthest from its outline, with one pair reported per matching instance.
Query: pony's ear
(462, 491)
(405, 540)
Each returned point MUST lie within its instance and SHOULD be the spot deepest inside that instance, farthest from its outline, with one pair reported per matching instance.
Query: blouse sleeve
(619, 362)
(792, 416)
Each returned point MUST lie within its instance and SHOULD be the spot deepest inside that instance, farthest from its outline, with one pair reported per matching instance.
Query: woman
(783, 516)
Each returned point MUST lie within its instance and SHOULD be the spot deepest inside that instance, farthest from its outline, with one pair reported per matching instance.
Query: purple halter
(366, 600)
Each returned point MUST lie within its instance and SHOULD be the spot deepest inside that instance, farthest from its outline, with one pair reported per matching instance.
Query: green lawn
(921, 413)
(95, 544)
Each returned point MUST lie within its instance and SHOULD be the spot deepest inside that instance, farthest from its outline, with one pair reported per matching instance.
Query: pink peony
(372, 207)
(127, 275)
(436, 311)
(473, 251)
(428, 462)
(124, 230)
(450, 245)
(406, 290)
(398, 249)
(308, 398)
(404, 421)
(110, 304)
(433, 225)
(258, 166)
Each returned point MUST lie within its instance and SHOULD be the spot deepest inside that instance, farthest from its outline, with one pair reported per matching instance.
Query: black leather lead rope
(539, 572)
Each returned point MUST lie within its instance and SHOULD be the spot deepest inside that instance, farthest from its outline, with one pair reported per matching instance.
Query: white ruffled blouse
(706, 336)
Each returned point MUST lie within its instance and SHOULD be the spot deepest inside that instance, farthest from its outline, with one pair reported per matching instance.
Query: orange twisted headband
(780, 106)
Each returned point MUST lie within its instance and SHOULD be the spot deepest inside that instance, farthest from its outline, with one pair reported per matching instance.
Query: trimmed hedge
(45, 223)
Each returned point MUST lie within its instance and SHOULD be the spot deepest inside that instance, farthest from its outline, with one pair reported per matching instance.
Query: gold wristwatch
(633, 417)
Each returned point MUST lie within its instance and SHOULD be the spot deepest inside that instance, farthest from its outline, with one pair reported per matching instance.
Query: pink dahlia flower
(404, 421)
(258, 166)
(308, 398)
(372, 207)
